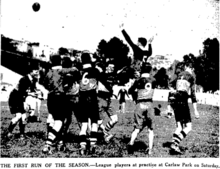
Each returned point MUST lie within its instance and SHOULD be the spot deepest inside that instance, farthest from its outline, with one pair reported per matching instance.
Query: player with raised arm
(139, 51)
(185, 88)
(144, 112)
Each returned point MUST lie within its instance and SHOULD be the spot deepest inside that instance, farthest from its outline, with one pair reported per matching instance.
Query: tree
(114, 50)
(207, 66)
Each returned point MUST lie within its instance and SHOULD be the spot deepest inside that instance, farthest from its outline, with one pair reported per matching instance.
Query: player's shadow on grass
(138, 145)
(70, 137)
(168, 145)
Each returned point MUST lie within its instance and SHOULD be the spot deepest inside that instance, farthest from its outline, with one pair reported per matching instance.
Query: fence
(162, 95)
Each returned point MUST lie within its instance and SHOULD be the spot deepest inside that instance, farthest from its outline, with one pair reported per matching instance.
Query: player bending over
(59, 106)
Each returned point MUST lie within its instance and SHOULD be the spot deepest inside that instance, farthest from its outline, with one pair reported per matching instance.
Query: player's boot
(61, 146)
(22, 137)
(92, 149)
(82, 150)
(108, 137)
(9, 135)
(175, 148)
(47, 149)
(149, 151)
(39, 120)
(130, 149)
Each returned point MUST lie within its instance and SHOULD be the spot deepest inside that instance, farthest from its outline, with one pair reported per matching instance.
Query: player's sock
(134, 136)
(22, 125)
(11, 126)
(177, 138)
(93, 138)
(82, 140)
(52, 135)
(108, 127)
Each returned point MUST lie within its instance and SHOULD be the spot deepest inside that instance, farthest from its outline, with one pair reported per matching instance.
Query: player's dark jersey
(71, 77)
(90, 78)
(24, 85)
(53, 81)
(103, 92)
(58, 80)
(186, 82)
(145, 88)
(138, 52)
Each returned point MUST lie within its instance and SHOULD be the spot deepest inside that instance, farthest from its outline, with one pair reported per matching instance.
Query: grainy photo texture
(101, 79)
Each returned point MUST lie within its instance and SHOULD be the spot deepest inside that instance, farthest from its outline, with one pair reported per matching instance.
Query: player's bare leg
(151, 140)
(82, 136)
(13, 123)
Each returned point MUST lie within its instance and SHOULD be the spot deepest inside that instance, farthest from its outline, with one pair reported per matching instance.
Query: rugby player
(104, 99)
(185, 89)
(17, 100)
(144, 112)
(88, 102)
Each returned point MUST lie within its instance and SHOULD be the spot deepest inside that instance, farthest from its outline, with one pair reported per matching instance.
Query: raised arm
(128, 39)
(148, 52)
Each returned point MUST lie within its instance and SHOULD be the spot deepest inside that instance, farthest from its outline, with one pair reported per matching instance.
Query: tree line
(116, 52)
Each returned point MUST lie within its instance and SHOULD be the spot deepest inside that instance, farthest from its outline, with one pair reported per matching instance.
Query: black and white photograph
(134, 79)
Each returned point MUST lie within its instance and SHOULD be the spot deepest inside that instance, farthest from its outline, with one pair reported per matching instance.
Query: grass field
(202, 141)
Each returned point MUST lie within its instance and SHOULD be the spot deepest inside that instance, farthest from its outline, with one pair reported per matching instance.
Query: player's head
(55, 60)
(34, 69)
(86, 58)
(142, 42)
(67, 62)
(146, 68)
(189, 68)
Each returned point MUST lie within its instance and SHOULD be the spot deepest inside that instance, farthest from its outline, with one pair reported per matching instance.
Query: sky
(179, 26)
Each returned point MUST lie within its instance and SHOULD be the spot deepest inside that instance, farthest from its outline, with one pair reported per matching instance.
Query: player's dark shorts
(171, 98)
(59, 106)
(181, 107)
(122, 101)
(144, 115)
(88, 104)
(16, 102)
(74, 104)
(105, 107)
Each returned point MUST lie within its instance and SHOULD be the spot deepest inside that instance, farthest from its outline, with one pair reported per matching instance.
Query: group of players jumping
(87, 92)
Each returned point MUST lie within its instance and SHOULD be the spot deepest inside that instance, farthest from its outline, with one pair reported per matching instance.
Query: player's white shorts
(31, 103)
